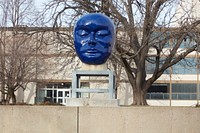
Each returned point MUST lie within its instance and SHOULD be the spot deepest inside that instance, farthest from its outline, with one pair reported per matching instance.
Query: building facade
(51, 79)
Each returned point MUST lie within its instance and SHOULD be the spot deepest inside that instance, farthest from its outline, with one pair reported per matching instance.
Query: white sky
(40, 3)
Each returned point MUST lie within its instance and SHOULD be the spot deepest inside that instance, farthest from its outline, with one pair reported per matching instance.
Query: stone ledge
(91, 102)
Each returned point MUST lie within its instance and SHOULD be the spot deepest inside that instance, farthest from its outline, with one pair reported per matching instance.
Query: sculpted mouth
(91, 51)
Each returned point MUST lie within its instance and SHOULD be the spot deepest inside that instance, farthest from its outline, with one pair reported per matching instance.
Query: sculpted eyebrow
(82, 27)
(92, 27)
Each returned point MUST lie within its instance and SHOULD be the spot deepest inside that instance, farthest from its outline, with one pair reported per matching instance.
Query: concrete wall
(139, 120)
(60, 119)
(38, 119)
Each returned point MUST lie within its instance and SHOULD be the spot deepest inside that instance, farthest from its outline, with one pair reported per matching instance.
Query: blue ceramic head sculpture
(94, 37)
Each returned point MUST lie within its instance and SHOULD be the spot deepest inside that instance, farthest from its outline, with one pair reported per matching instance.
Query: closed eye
(82, 33)
(103, 33)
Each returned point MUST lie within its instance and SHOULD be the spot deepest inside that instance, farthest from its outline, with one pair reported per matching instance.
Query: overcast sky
(40, 3)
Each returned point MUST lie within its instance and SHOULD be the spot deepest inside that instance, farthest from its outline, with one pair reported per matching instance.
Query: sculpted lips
(91, 52)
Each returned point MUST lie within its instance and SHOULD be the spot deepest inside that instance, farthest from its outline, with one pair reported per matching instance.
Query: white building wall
(30, 93)
(125, 94)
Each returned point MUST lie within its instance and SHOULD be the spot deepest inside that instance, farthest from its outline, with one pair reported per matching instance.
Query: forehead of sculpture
(95, 21)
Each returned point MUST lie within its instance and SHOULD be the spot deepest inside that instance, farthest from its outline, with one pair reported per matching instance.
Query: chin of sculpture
(94, 38)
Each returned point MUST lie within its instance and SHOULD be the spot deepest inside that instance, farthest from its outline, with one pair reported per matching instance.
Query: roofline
(26, 28)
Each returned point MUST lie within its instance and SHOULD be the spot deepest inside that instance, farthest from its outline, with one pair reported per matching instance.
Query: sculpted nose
(92, 39)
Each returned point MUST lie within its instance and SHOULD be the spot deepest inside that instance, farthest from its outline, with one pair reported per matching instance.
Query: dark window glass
(157, 96)
(158, 91)
(158, 88)
(55, 93)
(66, 94)
(184, 92)
(193, 96)
(174, 96)
(60, 94)
(60, 100)
(54, 100)
(184, 88)
(179, 96)
(49, 93)
(166, 96)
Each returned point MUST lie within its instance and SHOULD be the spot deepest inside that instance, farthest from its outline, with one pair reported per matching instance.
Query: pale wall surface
(139, 120)
(38, 119)
(61, 119)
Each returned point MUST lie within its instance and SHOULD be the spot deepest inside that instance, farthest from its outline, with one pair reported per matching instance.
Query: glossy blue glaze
(94, 37)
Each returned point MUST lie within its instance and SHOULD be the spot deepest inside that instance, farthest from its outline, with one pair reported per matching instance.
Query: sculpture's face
(94, 37)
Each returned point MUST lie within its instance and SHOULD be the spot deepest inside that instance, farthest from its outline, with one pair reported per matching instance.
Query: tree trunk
(8, 98)
(2, 95)
(13, 97)
(139, 97)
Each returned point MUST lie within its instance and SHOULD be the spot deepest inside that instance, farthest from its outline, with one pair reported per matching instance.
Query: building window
(53, 93)
(179, 92)
(158, 91)
(184, 91)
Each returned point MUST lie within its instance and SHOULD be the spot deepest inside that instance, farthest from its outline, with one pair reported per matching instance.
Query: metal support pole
(74, 84)
(197, 59)
(170, 88)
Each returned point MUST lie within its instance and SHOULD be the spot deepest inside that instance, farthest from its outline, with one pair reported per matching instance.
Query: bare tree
(145, 28)
(17, 66)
